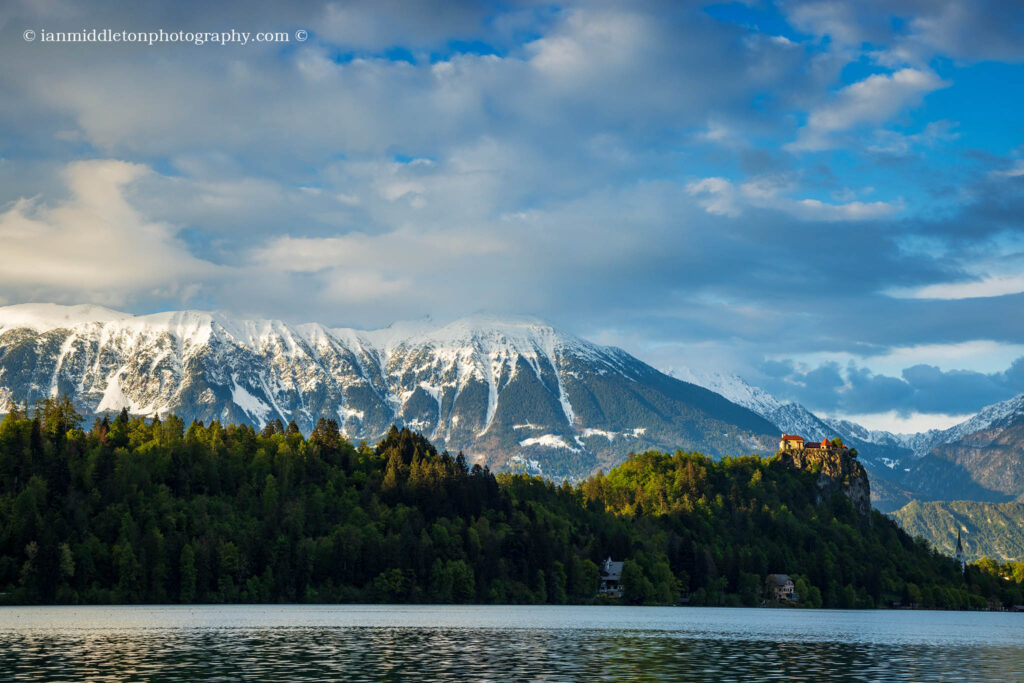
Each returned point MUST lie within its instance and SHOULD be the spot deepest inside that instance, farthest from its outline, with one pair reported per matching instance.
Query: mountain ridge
(512, 391)
(515, 387)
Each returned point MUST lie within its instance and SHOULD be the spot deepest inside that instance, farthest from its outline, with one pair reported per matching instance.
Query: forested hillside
(156, 511)
(993, 530)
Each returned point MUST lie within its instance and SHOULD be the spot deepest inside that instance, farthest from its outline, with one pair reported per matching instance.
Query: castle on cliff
(836, 466)
(792, 442)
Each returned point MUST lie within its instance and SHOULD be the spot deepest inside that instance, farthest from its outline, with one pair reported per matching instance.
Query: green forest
(993, 530)
(157, 511)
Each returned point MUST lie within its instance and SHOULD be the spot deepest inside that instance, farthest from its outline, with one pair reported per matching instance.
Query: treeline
(157, 511)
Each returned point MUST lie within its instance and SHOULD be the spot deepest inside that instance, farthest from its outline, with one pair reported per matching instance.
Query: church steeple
(960, 557)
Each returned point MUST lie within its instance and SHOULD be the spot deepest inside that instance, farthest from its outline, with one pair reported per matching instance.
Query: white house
(611, 579)
(780, 587)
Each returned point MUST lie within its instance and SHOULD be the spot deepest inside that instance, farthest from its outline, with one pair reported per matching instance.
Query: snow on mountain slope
(911, 442)
(472, 384)
(986, 419)
(979, 459)
(791, 418)
(922, 443)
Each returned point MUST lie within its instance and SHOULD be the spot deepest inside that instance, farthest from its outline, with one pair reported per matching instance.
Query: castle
(792, 442)
(836, 466)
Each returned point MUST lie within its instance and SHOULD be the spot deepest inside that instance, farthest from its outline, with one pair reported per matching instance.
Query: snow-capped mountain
(506, 391)
(980, 459)
(988, 418)
(790, 417)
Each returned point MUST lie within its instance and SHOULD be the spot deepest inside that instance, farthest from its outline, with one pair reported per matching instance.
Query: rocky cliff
(838, 472)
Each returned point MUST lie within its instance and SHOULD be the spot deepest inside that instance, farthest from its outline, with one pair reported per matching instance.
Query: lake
(364, 642)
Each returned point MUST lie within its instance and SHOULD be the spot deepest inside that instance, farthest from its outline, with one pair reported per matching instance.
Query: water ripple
(382, 643)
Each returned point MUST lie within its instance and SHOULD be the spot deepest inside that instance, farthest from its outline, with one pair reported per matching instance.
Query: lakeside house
(780, 587)
(611, 579)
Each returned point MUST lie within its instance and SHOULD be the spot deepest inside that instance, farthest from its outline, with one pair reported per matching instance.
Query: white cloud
(721, 197)
(95, 244)
(982, 355)
(813, 209)
(397, 250)
(984, 287)
(871, 101)
(965, 30)
(838, 20)
(717, 196)
(1014, 171)
(897, 423)
(719, 133)
(395, 191)
(362, 286)
(970, 30)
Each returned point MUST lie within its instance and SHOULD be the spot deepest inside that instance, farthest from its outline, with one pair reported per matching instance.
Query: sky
(823, 197)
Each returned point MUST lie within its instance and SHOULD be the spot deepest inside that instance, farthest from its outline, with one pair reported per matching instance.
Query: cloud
(992, 286)
(721, 197)
(980, 246)
(893, 143)
(94, 245)
(909, 423)
(382, 24)
(917, 392)
(971, 30)
(1016, 170)
(557, 82)
(843, 22)
(913, 32)
(873, 100)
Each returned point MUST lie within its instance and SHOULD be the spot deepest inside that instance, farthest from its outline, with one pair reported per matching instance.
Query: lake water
(372, 642)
